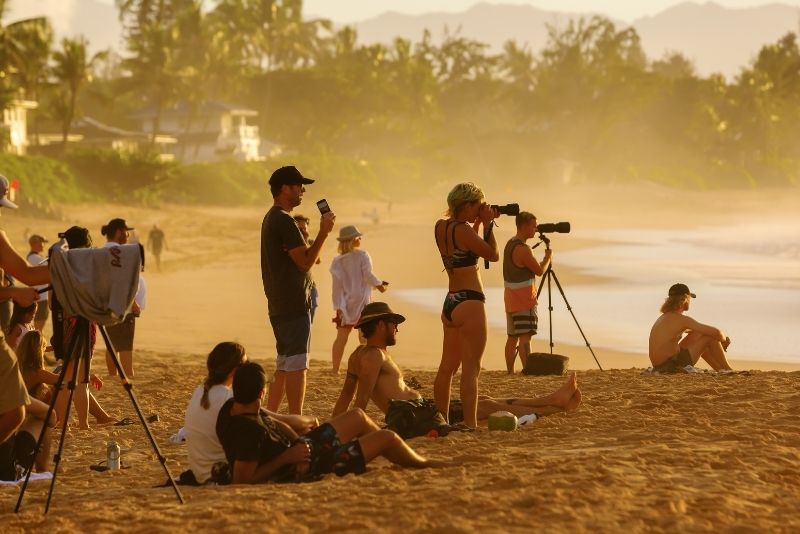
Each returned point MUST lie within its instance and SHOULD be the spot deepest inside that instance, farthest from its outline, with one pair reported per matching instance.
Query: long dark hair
(18, 315)
(30, 351)
(223, 359)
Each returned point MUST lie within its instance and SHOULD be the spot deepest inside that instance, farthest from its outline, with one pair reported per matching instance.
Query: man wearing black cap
(668, 352)
(286, 261)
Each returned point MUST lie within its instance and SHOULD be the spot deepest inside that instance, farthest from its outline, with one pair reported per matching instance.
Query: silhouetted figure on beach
(157, 243)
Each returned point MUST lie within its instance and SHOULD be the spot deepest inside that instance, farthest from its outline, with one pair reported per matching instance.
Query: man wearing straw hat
(373, 374)
(286, 261)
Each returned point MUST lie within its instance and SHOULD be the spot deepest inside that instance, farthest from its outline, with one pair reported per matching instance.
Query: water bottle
(113, 459)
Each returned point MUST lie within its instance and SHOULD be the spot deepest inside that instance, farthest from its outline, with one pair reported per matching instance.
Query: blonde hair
(346, 246)
(674, 303)
(462, 194)
(30, 351)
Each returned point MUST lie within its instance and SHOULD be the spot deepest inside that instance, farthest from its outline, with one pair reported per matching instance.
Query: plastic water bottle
(113, 458)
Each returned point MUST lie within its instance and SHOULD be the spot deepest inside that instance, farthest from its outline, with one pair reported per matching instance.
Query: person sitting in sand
(40, 382)
(261, 448)
(373, 374)
(669, 353)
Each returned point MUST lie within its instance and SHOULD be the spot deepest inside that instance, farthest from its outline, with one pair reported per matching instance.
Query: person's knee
(390, 438)
(359, 413)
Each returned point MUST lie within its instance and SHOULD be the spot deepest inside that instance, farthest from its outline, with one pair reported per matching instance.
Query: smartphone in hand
(323, 206)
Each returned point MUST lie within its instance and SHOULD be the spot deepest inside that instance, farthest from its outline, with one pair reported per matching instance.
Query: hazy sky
(356, 10)
(628, 10)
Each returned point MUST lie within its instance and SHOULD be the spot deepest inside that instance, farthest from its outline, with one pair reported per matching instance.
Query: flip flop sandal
(125, 422)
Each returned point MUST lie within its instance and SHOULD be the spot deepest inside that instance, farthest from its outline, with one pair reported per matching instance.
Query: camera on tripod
(508, 209)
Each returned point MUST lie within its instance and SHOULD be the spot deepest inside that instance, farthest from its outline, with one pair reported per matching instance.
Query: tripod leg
(546, 277)
(561, 290)
(58, 387)
(128, 386)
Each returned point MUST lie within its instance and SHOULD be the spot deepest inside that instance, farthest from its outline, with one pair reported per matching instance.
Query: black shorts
(329, 455)
(292, 340)
(675, 363)
(121, 334)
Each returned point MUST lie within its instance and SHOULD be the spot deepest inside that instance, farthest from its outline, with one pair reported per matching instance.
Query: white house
(15, 122)
(210, 131)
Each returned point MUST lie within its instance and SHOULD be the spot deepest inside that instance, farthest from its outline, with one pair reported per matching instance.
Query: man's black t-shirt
(252, 437)
(288, 289)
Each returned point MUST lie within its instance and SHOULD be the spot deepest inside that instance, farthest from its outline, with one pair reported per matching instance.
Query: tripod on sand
(550, 275)
(78, 352)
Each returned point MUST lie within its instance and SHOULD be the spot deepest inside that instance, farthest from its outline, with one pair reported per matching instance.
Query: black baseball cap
(680, 289)
(114, 225)
(288, 175)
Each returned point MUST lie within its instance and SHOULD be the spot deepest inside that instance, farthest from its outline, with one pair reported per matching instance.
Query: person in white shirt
(204, 448)
(36, 257)
(353, 282)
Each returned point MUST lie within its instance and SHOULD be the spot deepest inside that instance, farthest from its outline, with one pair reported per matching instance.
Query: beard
(390, 339)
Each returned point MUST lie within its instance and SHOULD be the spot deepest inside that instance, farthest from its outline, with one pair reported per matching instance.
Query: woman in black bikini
(463, 314)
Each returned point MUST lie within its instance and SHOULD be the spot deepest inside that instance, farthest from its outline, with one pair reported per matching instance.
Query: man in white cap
(36, 257)
(670, 350)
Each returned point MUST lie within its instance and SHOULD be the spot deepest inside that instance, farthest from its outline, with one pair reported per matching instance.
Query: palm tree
(24, 48)
(72, 69)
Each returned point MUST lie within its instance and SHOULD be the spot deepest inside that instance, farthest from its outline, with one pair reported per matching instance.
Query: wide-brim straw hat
(375, 311)
(346, 233)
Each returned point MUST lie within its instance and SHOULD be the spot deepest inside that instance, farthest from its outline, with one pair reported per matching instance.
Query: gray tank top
(512, 273)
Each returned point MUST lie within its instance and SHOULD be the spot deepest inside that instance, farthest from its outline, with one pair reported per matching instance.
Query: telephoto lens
(546, 228)
(508, 209)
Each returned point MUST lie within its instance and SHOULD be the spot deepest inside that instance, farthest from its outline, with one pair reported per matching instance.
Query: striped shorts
(522, 322)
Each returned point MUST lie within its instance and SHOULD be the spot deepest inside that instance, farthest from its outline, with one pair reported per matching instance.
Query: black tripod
(79, 351)
(549, 275)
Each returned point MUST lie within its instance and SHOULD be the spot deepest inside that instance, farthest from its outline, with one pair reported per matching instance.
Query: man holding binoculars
(519, 271)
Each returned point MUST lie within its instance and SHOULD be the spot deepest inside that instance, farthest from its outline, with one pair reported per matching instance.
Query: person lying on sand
(262, 449)
(373, 374)
(668, 352)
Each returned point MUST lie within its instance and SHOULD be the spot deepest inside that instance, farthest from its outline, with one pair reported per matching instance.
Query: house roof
(93, 129)
(182, 109)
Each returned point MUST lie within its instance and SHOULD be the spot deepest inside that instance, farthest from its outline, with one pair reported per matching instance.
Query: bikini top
(459, 257)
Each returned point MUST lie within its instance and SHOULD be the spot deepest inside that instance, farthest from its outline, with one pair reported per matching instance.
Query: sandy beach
(643, 453)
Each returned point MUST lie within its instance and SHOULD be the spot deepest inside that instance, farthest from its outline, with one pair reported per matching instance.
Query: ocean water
(747, 282)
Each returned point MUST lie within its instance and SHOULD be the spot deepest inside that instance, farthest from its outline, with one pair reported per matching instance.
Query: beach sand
(644, 452)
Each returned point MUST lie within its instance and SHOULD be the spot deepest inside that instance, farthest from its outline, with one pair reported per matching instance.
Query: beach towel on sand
(96, 283)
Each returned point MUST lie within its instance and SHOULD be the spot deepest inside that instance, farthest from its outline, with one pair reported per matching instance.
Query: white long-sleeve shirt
(353, 281)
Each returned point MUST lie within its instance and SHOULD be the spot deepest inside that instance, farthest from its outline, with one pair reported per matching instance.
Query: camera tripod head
(543, 239)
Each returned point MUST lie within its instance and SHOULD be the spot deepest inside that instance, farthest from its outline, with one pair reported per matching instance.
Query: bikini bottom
(454, 298)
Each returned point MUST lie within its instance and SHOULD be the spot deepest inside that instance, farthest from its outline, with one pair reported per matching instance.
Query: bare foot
(574, 401)
(104, 419)
(564, 394)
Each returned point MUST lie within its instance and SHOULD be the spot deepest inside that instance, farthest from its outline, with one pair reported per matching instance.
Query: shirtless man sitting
(373, 374)
(669, 353)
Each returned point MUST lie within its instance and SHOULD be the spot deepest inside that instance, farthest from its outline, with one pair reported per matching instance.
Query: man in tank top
(519, 271)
